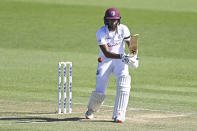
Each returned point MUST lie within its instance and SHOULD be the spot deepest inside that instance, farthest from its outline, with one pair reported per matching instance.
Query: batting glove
(127, 59)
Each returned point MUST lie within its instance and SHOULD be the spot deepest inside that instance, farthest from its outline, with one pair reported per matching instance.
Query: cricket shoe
(89, 114)
(118, 119)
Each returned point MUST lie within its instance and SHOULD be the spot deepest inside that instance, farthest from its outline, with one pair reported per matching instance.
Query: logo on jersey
(113, 13)
(113, 44)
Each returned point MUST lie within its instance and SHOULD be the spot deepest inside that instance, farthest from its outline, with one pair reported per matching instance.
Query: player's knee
(124, 83)
(124, 80)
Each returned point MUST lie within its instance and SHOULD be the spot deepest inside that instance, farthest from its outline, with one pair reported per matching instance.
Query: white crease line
(128, 109)
(143, 109)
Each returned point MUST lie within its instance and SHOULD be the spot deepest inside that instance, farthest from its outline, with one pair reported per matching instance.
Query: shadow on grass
(85, 120)
(39, 119)
(44, 120)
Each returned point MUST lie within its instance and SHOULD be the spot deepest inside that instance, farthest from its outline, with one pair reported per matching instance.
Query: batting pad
(96, 100)
(122, 97)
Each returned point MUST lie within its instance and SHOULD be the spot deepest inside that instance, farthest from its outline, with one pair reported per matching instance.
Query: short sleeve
(127, 34)
(100, 36)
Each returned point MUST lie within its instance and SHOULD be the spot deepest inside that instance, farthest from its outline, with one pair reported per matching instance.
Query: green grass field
(36, 34)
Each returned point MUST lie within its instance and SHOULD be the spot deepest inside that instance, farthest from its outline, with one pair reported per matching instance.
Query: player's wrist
(121, 56)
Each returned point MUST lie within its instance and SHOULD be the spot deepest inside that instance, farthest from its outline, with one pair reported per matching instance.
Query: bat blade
(133, 47)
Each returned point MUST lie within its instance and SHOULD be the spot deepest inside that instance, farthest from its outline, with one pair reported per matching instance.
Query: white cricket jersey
(114, 40)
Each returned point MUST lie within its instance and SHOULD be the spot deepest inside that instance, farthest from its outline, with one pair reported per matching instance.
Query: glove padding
(127, 59)
(132, 61)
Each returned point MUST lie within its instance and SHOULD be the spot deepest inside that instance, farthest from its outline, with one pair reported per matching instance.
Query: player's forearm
(108, 53)
(128, 42)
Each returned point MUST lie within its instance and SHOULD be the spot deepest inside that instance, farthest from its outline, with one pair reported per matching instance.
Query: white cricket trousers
(105, 68)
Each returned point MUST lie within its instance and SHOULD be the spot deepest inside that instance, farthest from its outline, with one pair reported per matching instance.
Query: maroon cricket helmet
(112, 13)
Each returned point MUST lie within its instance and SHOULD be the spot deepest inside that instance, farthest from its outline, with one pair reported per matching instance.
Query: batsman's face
(112, 24)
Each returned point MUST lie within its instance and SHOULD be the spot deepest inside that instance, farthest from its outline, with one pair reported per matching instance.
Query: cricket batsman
(111, 39)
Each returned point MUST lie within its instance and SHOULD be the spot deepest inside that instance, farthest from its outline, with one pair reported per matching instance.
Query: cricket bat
(133, 45)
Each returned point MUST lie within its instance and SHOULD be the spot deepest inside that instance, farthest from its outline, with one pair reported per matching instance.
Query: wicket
(65, 87)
